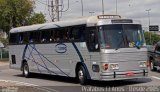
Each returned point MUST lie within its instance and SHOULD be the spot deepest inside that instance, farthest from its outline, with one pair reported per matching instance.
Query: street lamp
(116, 6)
(102, 7)
(81, 6)
(149, 22)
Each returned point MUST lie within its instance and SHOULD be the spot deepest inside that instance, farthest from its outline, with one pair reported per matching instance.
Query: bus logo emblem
(61, 48)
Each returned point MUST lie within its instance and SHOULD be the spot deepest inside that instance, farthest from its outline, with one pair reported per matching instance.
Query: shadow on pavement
(116, 83)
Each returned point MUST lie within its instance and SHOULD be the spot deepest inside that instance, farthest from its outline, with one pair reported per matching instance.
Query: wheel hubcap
(26, 70)
(151, 66)
(80, 73)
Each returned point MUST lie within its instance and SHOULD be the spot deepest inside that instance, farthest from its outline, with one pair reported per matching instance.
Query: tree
(36, 18)
(4, 41)
(15, 13)
(151, 38)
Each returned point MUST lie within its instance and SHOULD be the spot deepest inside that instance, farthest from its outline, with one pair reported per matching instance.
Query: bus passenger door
(93, 48)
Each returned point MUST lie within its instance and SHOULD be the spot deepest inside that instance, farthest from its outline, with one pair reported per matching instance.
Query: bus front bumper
(123, 75)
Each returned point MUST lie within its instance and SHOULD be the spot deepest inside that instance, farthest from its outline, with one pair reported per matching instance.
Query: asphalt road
(49, 83)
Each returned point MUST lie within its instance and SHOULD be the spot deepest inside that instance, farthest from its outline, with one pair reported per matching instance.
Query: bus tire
(82, 76)
(152, 67)
(25, 70)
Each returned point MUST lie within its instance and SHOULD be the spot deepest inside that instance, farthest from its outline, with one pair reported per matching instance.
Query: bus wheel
(152, 67)
(26, 72)
(82, 75)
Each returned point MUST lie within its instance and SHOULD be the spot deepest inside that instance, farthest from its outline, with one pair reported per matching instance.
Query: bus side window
(82, 34)
(70, 34)
(21, 38)
(25, 37)
(57, 35)
(77, 34)
(13, 38)
(62, 35)
(34, 37)
(48, 35)
(65, 35)
(31, 37)
(45, 36)
(43, 39)
(52, 36)
(92, 40)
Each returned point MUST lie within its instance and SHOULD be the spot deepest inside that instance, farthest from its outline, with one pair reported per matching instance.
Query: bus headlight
(143, 64)
(114, 66)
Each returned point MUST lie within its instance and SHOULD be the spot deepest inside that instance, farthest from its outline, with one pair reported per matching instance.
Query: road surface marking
(32, 85)
(155, 77)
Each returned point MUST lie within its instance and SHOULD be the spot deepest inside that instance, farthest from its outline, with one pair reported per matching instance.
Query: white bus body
(104, 47)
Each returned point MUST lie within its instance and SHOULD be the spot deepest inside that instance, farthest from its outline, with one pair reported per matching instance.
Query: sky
(134, 9)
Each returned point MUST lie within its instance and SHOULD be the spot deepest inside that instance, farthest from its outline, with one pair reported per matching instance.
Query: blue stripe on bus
(78, 52)
(33, 48)
(33, 60)
(82, 60)
(24, 52)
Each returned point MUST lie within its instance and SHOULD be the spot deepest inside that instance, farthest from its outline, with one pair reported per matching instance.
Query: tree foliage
(4, 41)
(36, 18)
(15, 13)
(151, 38)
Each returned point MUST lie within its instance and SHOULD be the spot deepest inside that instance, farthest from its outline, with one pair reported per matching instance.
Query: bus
(102, 47)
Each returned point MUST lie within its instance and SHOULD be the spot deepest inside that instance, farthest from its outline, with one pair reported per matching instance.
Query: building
(3, 34)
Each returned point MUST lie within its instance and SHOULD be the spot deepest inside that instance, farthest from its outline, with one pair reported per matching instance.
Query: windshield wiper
(120, 43)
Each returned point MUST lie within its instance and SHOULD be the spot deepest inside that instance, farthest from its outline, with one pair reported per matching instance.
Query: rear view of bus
(123, 52)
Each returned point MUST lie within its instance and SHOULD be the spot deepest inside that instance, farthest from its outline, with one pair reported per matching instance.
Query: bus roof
(89, 21)
(48, 25)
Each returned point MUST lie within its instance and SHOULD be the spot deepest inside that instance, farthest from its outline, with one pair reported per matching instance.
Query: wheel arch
(85, 67)
(23, 61)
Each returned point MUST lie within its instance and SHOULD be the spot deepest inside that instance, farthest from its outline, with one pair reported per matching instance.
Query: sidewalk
(8, 86)
(12, 86)
(2, 63)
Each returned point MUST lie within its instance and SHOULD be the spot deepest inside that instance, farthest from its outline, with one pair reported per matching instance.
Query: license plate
(130, 74)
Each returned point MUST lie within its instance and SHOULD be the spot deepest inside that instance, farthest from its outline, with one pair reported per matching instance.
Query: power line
(43, 3)
(55, 8)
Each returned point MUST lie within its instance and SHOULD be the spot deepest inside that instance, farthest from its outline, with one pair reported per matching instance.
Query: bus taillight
(105, 66)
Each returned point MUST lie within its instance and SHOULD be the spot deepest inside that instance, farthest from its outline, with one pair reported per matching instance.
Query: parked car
(154, 56)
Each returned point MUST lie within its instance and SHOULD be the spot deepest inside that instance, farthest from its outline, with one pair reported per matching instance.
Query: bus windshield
(121, 36)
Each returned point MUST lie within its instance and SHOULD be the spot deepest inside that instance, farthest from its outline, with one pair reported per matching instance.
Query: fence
(4, 53)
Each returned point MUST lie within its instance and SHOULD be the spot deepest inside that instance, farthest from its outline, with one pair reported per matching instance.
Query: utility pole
(116, 6)
(82, 6)
(102, 7)
(57, 9)
(149, 22)
(52, 11)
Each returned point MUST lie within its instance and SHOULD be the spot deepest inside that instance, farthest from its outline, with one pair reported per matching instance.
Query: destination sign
(109, 17)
